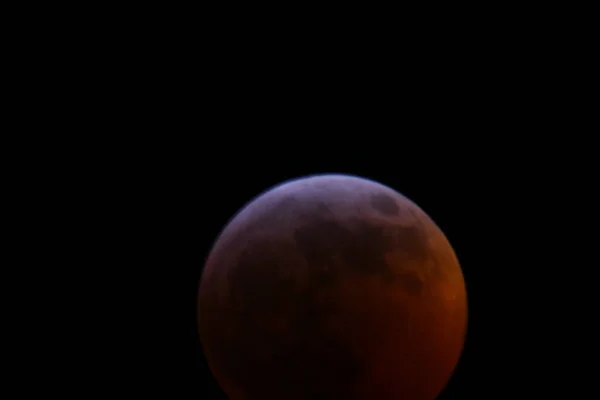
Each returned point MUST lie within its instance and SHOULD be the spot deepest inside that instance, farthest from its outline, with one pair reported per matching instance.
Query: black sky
(476, 149)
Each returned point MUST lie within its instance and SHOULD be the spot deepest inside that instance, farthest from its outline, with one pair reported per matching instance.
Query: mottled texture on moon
(332, 287)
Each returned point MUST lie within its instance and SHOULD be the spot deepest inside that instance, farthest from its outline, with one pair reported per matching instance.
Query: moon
(332, 287)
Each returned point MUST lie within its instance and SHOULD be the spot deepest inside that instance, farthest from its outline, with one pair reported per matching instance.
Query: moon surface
(332, 287)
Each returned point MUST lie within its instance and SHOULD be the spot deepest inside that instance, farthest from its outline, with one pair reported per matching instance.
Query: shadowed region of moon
(332, 287)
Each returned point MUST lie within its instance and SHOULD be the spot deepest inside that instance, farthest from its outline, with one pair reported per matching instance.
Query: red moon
(332, 287)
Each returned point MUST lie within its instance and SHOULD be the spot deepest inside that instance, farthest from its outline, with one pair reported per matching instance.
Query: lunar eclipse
(332, 287)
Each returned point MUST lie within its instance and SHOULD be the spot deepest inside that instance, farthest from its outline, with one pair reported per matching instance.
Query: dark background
(151, 132)
(478, 140)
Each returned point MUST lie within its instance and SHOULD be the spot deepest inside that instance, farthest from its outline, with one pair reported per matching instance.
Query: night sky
(176, 128)
(501, 201)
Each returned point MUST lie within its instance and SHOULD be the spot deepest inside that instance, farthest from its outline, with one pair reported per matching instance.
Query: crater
(385, 204)
(357, 246)
(410, 282)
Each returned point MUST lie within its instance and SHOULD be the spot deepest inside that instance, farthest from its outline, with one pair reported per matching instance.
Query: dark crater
(385, 204)
(331, 249)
